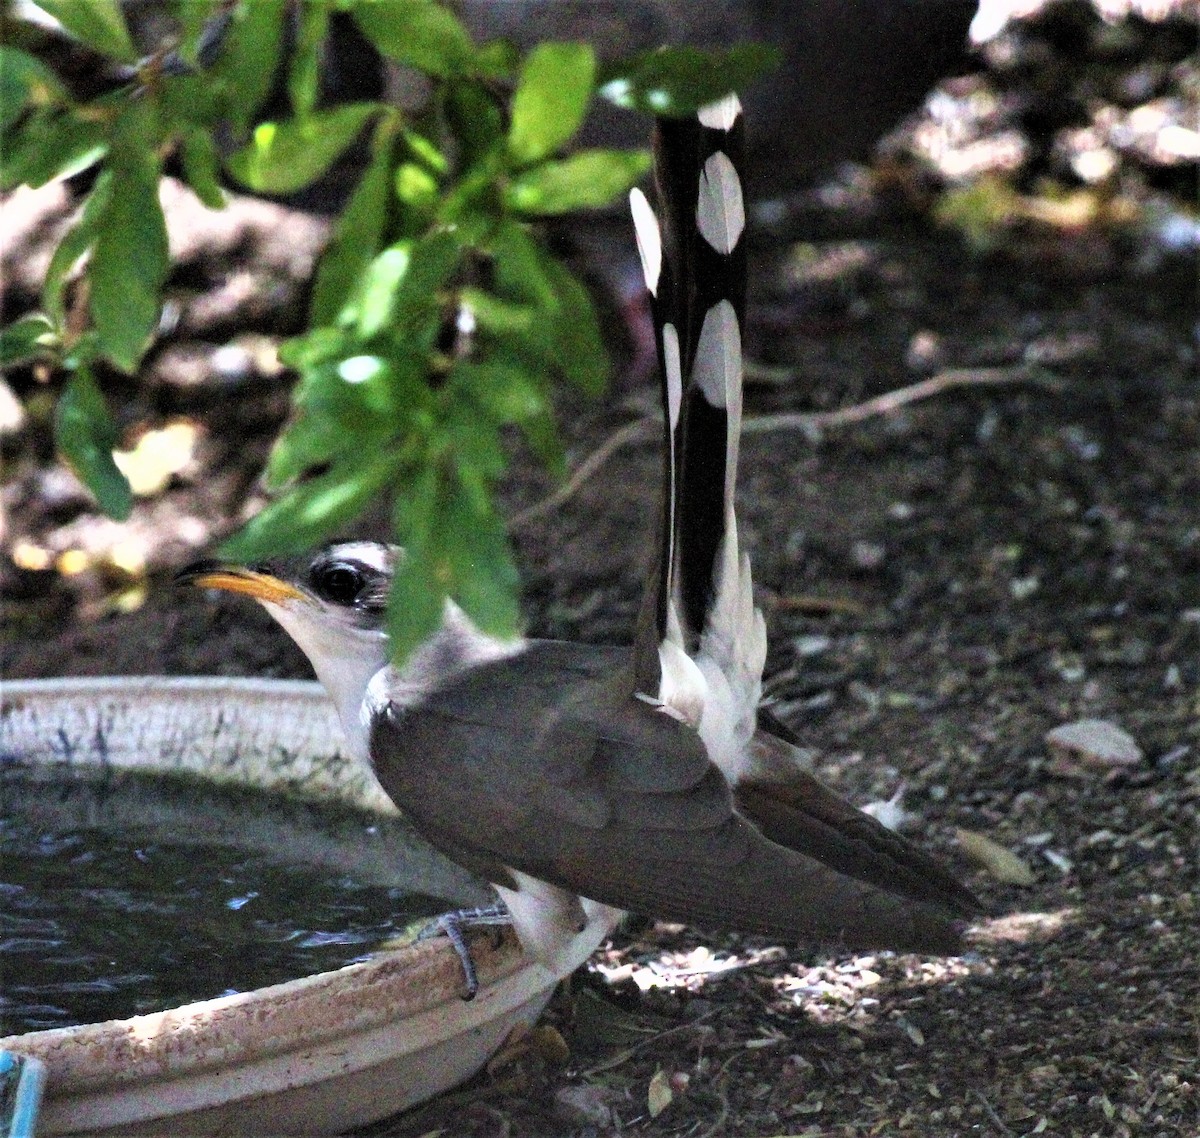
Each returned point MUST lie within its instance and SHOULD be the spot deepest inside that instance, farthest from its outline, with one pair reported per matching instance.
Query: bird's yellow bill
(251, 583)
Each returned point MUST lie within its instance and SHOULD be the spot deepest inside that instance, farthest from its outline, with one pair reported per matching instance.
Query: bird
(587, 781)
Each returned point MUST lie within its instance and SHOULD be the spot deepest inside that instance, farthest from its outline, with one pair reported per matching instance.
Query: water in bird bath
(136, 894)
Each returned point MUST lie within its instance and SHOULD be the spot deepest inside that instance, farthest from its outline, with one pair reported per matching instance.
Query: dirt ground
(943, 584)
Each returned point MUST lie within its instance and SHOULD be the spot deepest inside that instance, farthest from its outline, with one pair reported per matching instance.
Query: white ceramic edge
(232, 728)
(239, 1063)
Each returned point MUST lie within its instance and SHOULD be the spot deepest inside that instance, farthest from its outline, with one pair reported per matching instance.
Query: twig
(720, 1081)
(628, 1052)
(893, 400)
(768, 375)
(805, 421)
(626, 434)
(989, 1110)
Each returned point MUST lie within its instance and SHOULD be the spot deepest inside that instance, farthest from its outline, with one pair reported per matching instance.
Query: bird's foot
(455, 924)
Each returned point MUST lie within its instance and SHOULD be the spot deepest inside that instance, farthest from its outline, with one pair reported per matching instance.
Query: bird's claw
(454, 925)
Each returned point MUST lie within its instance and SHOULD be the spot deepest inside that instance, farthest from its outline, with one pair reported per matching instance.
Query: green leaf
(579, 348)
(283, 157)
(474, 444)
(306, 442)
(315, 347)
(415, 604)
(426, 152)
(249, 58)
(416, 186)
(304, 76)
(472, 203)
(402, 288)
(503, 318)
(455, 545)
(31, 336)
(544, 312)
(370, 308)
(190, 101)
(201, 167)
(502, 392)
(677, 81)
(419, 298)
(312, 512)
(350, 404)
(50, 144)
(586, 180)
(357, 393)
(477, 550)
(356, 237)
(85, 434)
(499, 59)
(518, 265)
(75, 243)
(418, 33)
(476, 120)
(98, 23)
(24, 82)
(130, 259)
(551, 99)
(344, 408)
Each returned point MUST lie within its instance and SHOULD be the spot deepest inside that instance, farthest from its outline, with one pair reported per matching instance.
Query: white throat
(345, 659)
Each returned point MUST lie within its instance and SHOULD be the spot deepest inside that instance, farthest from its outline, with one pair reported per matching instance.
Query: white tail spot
(674, 382)
(718, 367)
(649, 238)
(722, 114)
(718, 373)
(720, 211)
(670, 342)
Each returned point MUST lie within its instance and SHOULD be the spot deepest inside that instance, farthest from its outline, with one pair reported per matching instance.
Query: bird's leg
(454, 924)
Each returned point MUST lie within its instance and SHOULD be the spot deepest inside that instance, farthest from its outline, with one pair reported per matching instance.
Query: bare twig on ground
(627, 1053)
(585, 470)
(990, 1111)
(809, 422)
(890, 401)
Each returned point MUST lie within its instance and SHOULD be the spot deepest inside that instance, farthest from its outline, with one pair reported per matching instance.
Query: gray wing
(796, 810)
(544, 763)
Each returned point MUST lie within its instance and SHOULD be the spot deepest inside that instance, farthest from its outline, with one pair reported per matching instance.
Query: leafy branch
(437, 315)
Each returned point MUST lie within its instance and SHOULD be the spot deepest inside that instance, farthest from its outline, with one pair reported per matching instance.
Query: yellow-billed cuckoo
(585, 781)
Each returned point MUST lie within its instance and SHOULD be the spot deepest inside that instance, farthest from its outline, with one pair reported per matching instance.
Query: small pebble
(924, 352)
(1095, 742)
(585, 1106)
(867, 556)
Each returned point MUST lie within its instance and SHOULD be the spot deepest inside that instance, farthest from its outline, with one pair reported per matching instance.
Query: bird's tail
(711, 640)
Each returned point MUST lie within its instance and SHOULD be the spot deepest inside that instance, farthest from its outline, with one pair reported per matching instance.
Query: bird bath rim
(314, 1055)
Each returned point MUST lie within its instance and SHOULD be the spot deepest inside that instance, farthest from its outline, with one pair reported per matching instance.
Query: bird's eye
(339, 583)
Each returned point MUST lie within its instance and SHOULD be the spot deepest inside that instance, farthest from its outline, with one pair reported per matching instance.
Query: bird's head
(334, 609)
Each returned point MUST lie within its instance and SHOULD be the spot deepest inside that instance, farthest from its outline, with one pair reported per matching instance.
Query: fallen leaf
(548, 1044)
(659, 1097)
(998, 860)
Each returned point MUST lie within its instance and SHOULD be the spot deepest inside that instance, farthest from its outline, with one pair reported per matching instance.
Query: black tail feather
(700, 221)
